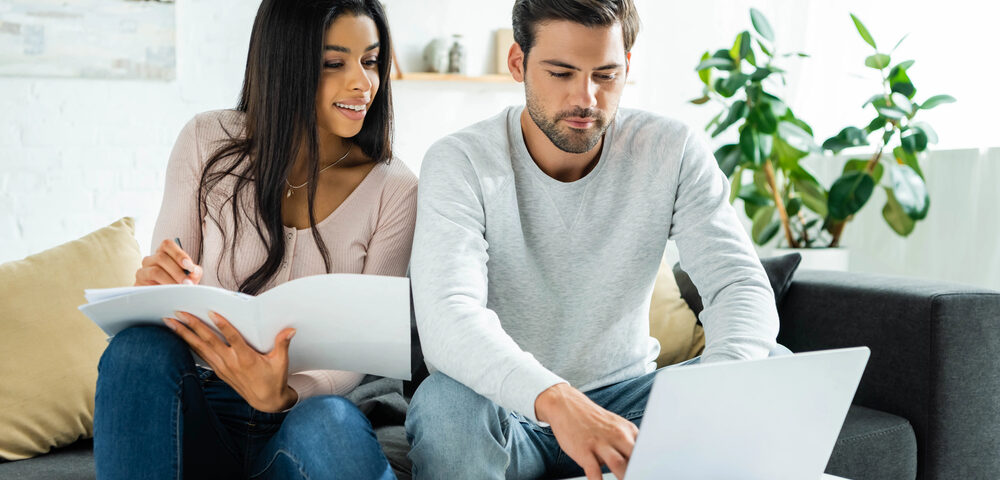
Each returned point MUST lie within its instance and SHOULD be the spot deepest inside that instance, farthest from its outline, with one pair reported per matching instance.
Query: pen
(177, 240)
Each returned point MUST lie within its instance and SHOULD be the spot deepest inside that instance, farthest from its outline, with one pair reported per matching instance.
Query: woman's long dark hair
(284, 65)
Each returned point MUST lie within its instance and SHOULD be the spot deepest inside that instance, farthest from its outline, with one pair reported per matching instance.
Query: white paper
(357, 323)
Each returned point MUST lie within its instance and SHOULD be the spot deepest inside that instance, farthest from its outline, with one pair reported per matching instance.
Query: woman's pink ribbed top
(371, 232)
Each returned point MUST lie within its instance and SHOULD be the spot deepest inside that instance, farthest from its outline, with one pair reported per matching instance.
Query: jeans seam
(634, 414)
(179, 445)
(274, 457)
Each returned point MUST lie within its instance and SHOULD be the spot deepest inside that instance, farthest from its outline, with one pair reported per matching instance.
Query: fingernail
(187, 264)
(169, 325)
(290, 335)
(187, 282)
(196, 270)
(179, 317)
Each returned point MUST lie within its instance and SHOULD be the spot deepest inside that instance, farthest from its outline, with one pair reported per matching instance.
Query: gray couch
(928, 405)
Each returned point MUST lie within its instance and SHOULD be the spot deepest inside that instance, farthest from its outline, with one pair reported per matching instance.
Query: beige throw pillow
(50, 350)
(672, 322)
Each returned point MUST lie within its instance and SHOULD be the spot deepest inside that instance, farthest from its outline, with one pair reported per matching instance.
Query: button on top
(289, 235)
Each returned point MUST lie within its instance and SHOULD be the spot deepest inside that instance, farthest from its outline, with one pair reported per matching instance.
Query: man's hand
(589, 434)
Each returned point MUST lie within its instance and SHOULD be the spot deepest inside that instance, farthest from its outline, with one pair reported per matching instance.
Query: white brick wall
(78, 154)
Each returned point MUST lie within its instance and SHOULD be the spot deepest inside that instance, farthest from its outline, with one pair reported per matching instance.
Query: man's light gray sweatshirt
(521, 281)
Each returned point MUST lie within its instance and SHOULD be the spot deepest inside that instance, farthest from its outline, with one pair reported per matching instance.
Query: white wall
(77, 154)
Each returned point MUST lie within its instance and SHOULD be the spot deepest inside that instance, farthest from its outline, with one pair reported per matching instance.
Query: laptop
(769, 419)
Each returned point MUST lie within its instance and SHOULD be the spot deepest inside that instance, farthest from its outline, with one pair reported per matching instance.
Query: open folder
(357, 323)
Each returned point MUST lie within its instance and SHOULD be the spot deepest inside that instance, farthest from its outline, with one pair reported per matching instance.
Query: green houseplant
(783, 195)
(894, 129)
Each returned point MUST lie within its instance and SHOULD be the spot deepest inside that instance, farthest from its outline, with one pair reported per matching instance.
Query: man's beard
(570, 140)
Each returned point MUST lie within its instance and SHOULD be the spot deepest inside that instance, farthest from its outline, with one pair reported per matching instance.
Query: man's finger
(625, 443)
(591, 467)
(613, 459)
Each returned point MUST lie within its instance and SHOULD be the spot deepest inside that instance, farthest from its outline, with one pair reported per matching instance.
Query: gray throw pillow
(779, 271)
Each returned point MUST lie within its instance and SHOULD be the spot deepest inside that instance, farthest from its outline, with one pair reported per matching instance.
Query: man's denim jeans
(158, 416)
(456, 433)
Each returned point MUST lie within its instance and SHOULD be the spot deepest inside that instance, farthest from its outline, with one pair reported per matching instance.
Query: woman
(296, 181)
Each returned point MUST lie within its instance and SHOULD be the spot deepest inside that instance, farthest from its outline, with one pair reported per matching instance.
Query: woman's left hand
(261, 379)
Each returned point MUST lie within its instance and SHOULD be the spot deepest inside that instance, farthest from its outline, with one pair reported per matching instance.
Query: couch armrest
(935, 356)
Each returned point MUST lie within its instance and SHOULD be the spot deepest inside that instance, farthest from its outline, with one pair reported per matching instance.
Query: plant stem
(779, 204)
(805, 231)
(836, 232)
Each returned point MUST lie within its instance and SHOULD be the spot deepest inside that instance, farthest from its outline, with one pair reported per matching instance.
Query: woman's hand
(261, 379)
(166, 267)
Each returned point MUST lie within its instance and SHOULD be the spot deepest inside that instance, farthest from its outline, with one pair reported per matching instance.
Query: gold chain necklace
(292, 188)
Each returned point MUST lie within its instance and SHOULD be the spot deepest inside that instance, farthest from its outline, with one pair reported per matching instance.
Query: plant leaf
(848, 137)
(937, 100)
(705, 74)
(861, 165)
(764, 48)
(899, 82)
(893, 113)
(932, 136)
(736, 112)
(878, 61)
(796, 136)
(910, 191)
(728, 157)
(900, 42)
(812, 193)
(867, 37)
(701, 101)
(765, 226)
(749, 145)
(741, 46)
(793, 206)
(914, 140)
(763, 118)
(849, 193)
(906, 158)
(895, 216)
(903, 103)
(727, 87)
(719, 63)
(877, 124)
(761, 25)
(760, 74)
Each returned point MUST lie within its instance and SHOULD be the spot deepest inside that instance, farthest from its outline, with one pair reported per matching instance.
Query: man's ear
(515, 62)
(628, 61)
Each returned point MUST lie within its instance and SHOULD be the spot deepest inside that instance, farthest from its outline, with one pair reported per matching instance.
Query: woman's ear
(515, 62)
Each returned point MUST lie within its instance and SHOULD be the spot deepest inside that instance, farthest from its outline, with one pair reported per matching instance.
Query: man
(539, 234)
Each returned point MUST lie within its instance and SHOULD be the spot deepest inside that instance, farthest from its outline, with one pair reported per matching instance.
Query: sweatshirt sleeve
(460, 336)
(740, 317)
(179, 209)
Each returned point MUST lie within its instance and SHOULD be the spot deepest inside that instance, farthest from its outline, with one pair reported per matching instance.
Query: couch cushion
(75, 462)
(672, 322)
(874, 445)
(50, 349)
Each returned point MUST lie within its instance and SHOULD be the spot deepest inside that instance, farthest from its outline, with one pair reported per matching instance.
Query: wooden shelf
(454, 77)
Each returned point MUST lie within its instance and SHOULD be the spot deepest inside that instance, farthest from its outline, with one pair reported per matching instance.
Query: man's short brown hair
(591, 13)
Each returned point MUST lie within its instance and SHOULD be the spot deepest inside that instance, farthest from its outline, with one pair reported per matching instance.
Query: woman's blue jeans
(159, 416)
